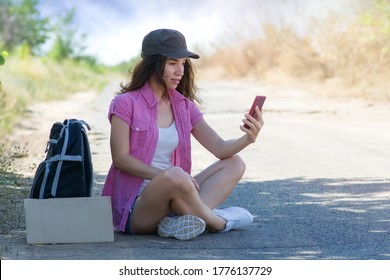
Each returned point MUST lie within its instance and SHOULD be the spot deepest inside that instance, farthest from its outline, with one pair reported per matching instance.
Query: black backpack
(67, 170)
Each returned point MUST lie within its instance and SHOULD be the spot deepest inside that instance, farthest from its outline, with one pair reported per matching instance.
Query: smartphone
(259, 101)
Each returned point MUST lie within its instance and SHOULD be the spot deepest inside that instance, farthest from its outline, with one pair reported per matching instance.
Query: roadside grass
(13, 189)
(33, 79)
(347, 58)
(23, 82)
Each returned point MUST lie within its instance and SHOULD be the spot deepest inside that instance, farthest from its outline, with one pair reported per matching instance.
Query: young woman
(152, 120)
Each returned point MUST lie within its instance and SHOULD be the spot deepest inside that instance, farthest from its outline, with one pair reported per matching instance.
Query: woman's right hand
(254, 125)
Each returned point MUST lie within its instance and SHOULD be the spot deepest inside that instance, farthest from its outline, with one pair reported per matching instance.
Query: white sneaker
(184, 227)
(236, 217)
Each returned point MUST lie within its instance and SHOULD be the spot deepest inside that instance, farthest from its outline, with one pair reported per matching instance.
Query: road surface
(317, 179)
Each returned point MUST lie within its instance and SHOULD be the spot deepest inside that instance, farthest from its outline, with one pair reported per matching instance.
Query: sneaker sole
(185, 227)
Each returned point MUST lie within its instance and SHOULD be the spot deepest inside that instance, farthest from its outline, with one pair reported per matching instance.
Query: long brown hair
(153, 65)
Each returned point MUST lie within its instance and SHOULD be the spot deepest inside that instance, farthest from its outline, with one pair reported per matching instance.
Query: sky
(115, 29)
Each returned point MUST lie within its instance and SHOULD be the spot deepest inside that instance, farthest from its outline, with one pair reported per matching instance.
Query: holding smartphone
(259, 101)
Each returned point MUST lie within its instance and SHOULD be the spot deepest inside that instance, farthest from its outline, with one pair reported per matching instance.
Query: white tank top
(168, 139)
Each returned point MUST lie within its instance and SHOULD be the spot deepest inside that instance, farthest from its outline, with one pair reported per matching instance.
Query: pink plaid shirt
(139, 110)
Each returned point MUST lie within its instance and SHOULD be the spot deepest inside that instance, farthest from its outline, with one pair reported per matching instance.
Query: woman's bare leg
(171, 191)
(219, 179)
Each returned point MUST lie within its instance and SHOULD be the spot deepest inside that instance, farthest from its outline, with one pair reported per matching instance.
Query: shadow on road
(320, 218)
(295, 218)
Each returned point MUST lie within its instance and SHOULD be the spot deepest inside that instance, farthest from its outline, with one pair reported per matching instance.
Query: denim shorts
(128, 224)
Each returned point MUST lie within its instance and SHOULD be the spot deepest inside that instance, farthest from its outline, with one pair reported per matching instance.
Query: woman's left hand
(255, 125)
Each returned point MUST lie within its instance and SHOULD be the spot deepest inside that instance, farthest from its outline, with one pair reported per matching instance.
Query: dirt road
(317, 180)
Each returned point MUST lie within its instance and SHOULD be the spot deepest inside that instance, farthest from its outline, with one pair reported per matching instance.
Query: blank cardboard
(69, 220)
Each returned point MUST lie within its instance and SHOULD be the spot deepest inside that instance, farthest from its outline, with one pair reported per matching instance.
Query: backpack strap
(42, 190)
(64, 132)
(65, 158)
(85, 124)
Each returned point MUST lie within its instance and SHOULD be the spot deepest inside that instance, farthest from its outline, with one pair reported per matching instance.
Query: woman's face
(173, 72)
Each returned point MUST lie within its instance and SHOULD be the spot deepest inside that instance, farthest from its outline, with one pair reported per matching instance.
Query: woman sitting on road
(152, 120)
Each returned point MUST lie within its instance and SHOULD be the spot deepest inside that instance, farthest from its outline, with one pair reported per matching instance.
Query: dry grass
(348, 55)
(29, 80)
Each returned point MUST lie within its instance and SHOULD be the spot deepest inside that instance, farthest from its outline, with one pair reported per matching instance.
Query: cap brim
(181, 54)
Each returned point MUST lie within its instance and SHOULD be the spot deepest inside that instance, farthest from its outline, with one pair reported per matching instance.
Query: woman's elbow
(221, 155)
(118, 162)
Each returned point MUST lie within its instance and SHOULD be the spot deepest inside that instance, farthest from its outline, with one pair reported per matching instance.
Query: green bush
(3, 55)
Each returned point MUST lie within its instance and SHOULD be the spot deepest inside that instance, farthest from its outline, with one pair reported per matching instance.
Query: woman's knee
(178, 179)
(237, 164)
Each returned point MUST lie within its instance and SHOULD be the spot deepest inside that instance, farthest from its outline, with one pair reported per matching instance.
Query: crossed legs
(173, 191)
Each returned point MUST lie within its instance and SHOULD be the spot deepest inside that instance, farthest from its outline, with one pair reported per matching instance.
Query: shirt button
(137, 128)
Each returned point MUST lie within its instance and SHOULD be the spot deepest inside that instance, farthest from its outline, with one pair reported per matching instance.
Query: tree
(378, 16)
(66, 43)
(377, 20)
(3, 55)
(22, 23)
